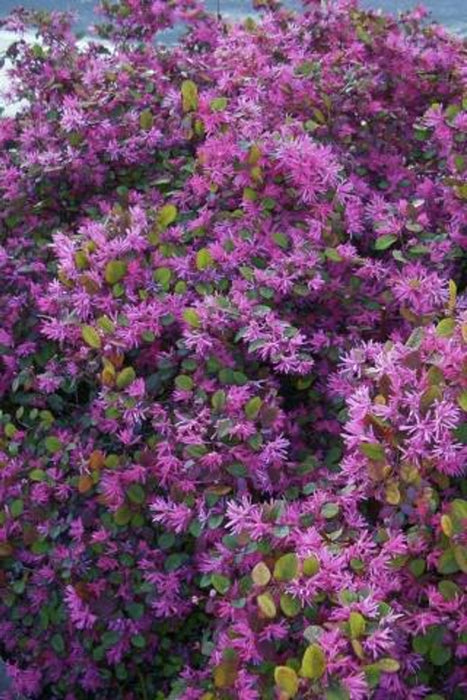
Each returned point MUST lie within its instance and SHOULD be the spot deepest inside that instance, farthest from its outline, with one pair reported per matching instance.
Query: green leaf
(253, 407)
(10, 430)
(357, 564)
(439, 655)
(286, 680)
(112, 461)
(115, 270)
(385, 242)
(261, 574)
(226, 376)
(337, 692)
(286, 567)
(333, 255)
(313, 662)
(135, 610)
(91, 337)
(37, 475)
(166, 540)
(167, 215)
(218, 400)
(357, 625)
(218, 104)
(189, 96)
(138, 641)
(220, 583)
(446, 327)
(462, 400)
(175, 561)
(446, 525)
(281, 239)
(311, 125)
(415, 338)
(458, 511)
(417, 567)
(122, 515)
(421, 644)
(461, 433)
(267, 605)
(184, 382)
(106, 324)
(269, 203)
(38, 51)
(250, 194)
(266, 292)
(432, 394)
(58, 644)
(461, 191)
(306, 68)
(215, 521)
(52, 444)
(363, 35)
(125, 377)
(17, 508)
(191, 317)
(372, 675)
(109, 638)
(203, 259)
(136, 493)
(460, 555)
(238, 470)
(448, 589)
(162, 276)
(239, 378)
(373, 450)
(388, 665)
(329, 510)
(447, 563)
(311, 566)
(289, 605)
(146, 120)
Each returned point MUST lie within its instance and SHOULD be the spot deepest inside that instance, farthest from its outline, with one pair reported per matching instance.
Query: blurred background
(452, 13)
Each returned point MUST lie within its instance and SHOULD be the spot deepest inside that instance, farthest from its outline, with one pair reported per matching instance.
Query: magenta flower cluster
(233, 357)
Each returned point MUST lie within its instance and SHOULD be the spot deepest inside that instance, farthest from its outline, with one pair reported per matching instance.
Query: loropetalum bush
(233, 357)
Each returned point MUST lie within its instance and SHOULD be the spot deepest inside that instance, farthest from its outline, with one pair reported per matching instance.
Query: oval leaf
(261, 574)
(203, 259)
(267, 605)
(126, 377)
(253, 407)
(446, 327)
(286, 568)
(289, 605)
(313, 662)
(167, 215)
(286, 680)
(311, 565)
(115, 271)
(357, 625)
(191, 317)
(385, 242)
(189, 96)
(220, 583)
(91, 337)
(146, 120)
(388, 665)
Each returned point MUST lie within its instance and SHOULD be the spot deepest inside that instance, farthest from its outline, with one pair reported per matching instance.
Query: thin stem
(142, 685)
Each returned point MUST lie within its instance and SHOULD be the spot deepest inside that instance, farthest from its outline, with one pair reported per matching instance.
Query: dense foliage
(233, 357)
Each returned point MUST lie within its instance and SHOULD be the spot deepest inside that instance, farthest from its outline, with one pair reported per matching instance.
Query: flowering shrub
(233, 357)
